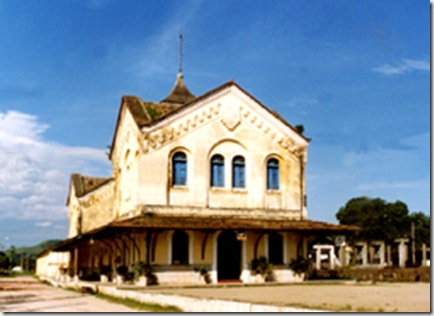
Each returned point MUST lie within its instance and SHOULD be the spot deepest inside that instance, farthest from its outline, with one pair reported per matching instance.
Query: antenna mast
(180, 54)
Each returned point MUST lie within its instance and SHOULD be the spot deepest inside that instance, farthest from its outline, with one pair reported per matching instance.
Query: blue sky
(356, 74)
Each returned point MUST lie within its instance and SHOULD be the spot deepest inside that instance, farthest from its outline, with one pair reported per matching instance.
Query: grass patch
(150, 307)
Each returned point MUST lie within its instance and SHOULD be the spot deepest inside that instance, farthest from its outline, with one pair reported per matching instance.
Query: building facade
(213, 181)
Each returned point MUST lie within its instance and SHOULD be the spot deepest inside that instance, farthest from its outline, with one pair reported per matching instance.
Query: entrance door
(228, 256)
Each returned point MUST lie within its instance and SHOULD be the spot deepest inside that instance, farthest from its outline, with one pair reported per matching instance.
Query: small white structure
(325, 257)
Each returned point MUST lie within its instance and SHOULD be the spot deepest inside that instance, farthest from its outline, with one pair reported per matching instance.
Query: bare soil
(358, 297)
(25, 294)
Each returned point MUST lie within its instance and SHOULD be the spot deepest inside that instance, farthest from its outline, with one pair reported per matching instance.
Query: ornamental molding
(232, 118)
(161, 137)
(100, 194)
(263, 126)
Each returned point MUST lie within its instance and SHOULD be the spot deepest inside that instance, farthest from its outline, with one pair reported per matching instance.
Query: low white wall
(179, 277)
(190, 304)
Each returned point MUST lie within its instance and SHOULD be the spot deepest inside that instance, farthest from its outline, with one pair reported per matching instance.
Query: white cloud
(43, 224)
(405, 66)
(35, 172)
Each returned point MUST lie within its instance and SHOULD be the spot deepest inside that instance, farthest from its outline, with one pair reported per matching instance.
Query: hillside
(32, 251)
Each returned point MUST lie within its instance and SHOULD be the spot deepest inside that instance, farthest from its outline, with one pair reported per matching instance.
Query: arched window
(179, 169)
(180, 247)
(238, 172)
(217, 171)
(273, 174)
(275, 248)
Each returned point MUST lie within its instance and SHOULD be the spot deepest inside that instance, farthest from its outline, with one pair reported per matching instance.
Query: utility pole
(413, 244)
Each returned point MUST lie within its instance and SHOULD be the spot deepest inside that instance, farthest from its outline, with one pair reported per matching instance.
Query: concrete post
(423, 255)
(331, 257)
(365, 254)
(318, 258)
(402, 250)
(382, 254)
(389, 255)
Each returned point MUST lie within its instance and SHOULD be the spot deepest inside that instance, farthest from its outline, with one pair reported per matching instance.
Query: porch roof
(228, 222)
(209, 223)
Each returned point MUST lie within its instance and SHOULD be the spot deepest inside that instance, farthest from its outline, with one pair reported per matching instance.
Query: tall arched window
(179, 169)
(238, 172)
(180, 247)
(217, 171)
(275, 248)
(273, 174)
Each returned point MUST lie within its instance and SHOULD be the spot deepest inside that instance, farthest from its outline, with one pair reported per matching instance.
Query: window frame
(179, 169)
(273, 174)
(238, 172)
(217, 164)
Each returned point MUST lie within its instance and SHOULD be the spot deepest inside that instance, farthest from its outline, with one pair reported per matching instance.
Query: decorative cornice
(161, 137)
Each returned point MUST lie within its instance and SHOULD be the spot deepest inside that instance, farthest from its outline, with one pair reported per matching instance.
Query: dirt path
(25, 294)
(387, 297)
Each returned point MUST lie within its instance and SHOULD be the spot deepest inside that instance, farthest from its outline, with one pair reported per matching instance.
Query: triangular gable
(152, 114)
(81, 185)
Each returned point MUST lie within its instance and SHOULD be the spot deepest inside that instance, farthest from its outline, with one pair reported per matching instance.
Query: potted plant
(121, 273)
(146, 274)
(105, 273)
(300, 266)
(204, 273)
(260, 266)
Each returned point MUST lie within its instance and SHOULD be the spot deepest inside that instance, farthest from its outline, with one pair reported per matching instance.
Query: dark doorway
(228, 256)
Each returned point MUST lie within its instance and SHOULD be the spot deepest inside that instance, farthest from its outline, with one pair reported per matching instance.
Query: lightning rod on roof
(180, 54)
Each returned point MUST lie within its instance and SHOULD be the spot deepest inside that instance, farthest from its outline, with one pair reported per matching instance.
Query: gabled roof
(83, 184)
(147, 113)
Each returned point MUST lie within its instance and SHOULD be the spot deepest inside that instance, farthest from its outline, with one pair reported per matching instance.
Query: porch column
(213, 272)
(245, 273)
(285, 247)
(190, 247)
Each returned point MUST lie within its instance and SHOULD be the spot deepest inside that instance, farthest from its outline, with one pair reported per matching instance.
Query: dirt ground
(25, 294)
(380, 297)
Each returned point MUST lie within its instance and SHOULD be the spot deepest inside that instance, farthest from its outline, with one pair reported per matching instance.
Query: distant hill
(32, 251)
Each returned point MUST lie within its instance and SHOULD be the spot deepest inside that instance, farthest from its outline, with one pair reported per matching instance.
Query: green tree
(422, 225)
(12, 253)
(376, 218)
(4, 261)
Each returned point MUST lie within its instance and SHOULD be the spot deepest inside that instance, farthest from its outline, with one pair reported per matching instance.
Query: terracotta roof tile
(219, 222)
(83, 184)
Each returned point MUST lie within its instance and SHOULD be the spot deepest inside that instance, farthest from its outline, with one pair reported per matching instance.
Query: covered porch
(183, 249)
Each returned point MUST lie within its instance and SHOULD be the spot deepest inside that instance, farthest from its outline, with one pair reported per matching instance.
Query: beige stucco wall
(230, 125)
(50, 263)
(91, 211)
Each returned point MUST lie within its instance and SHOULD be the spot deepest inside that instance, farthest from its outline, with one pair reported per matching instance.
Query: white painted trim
(185, 111)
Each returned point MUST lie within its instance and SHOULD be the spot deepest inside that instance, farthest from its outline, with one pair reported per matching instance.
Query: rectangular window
(218, 176)
(239, 181)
